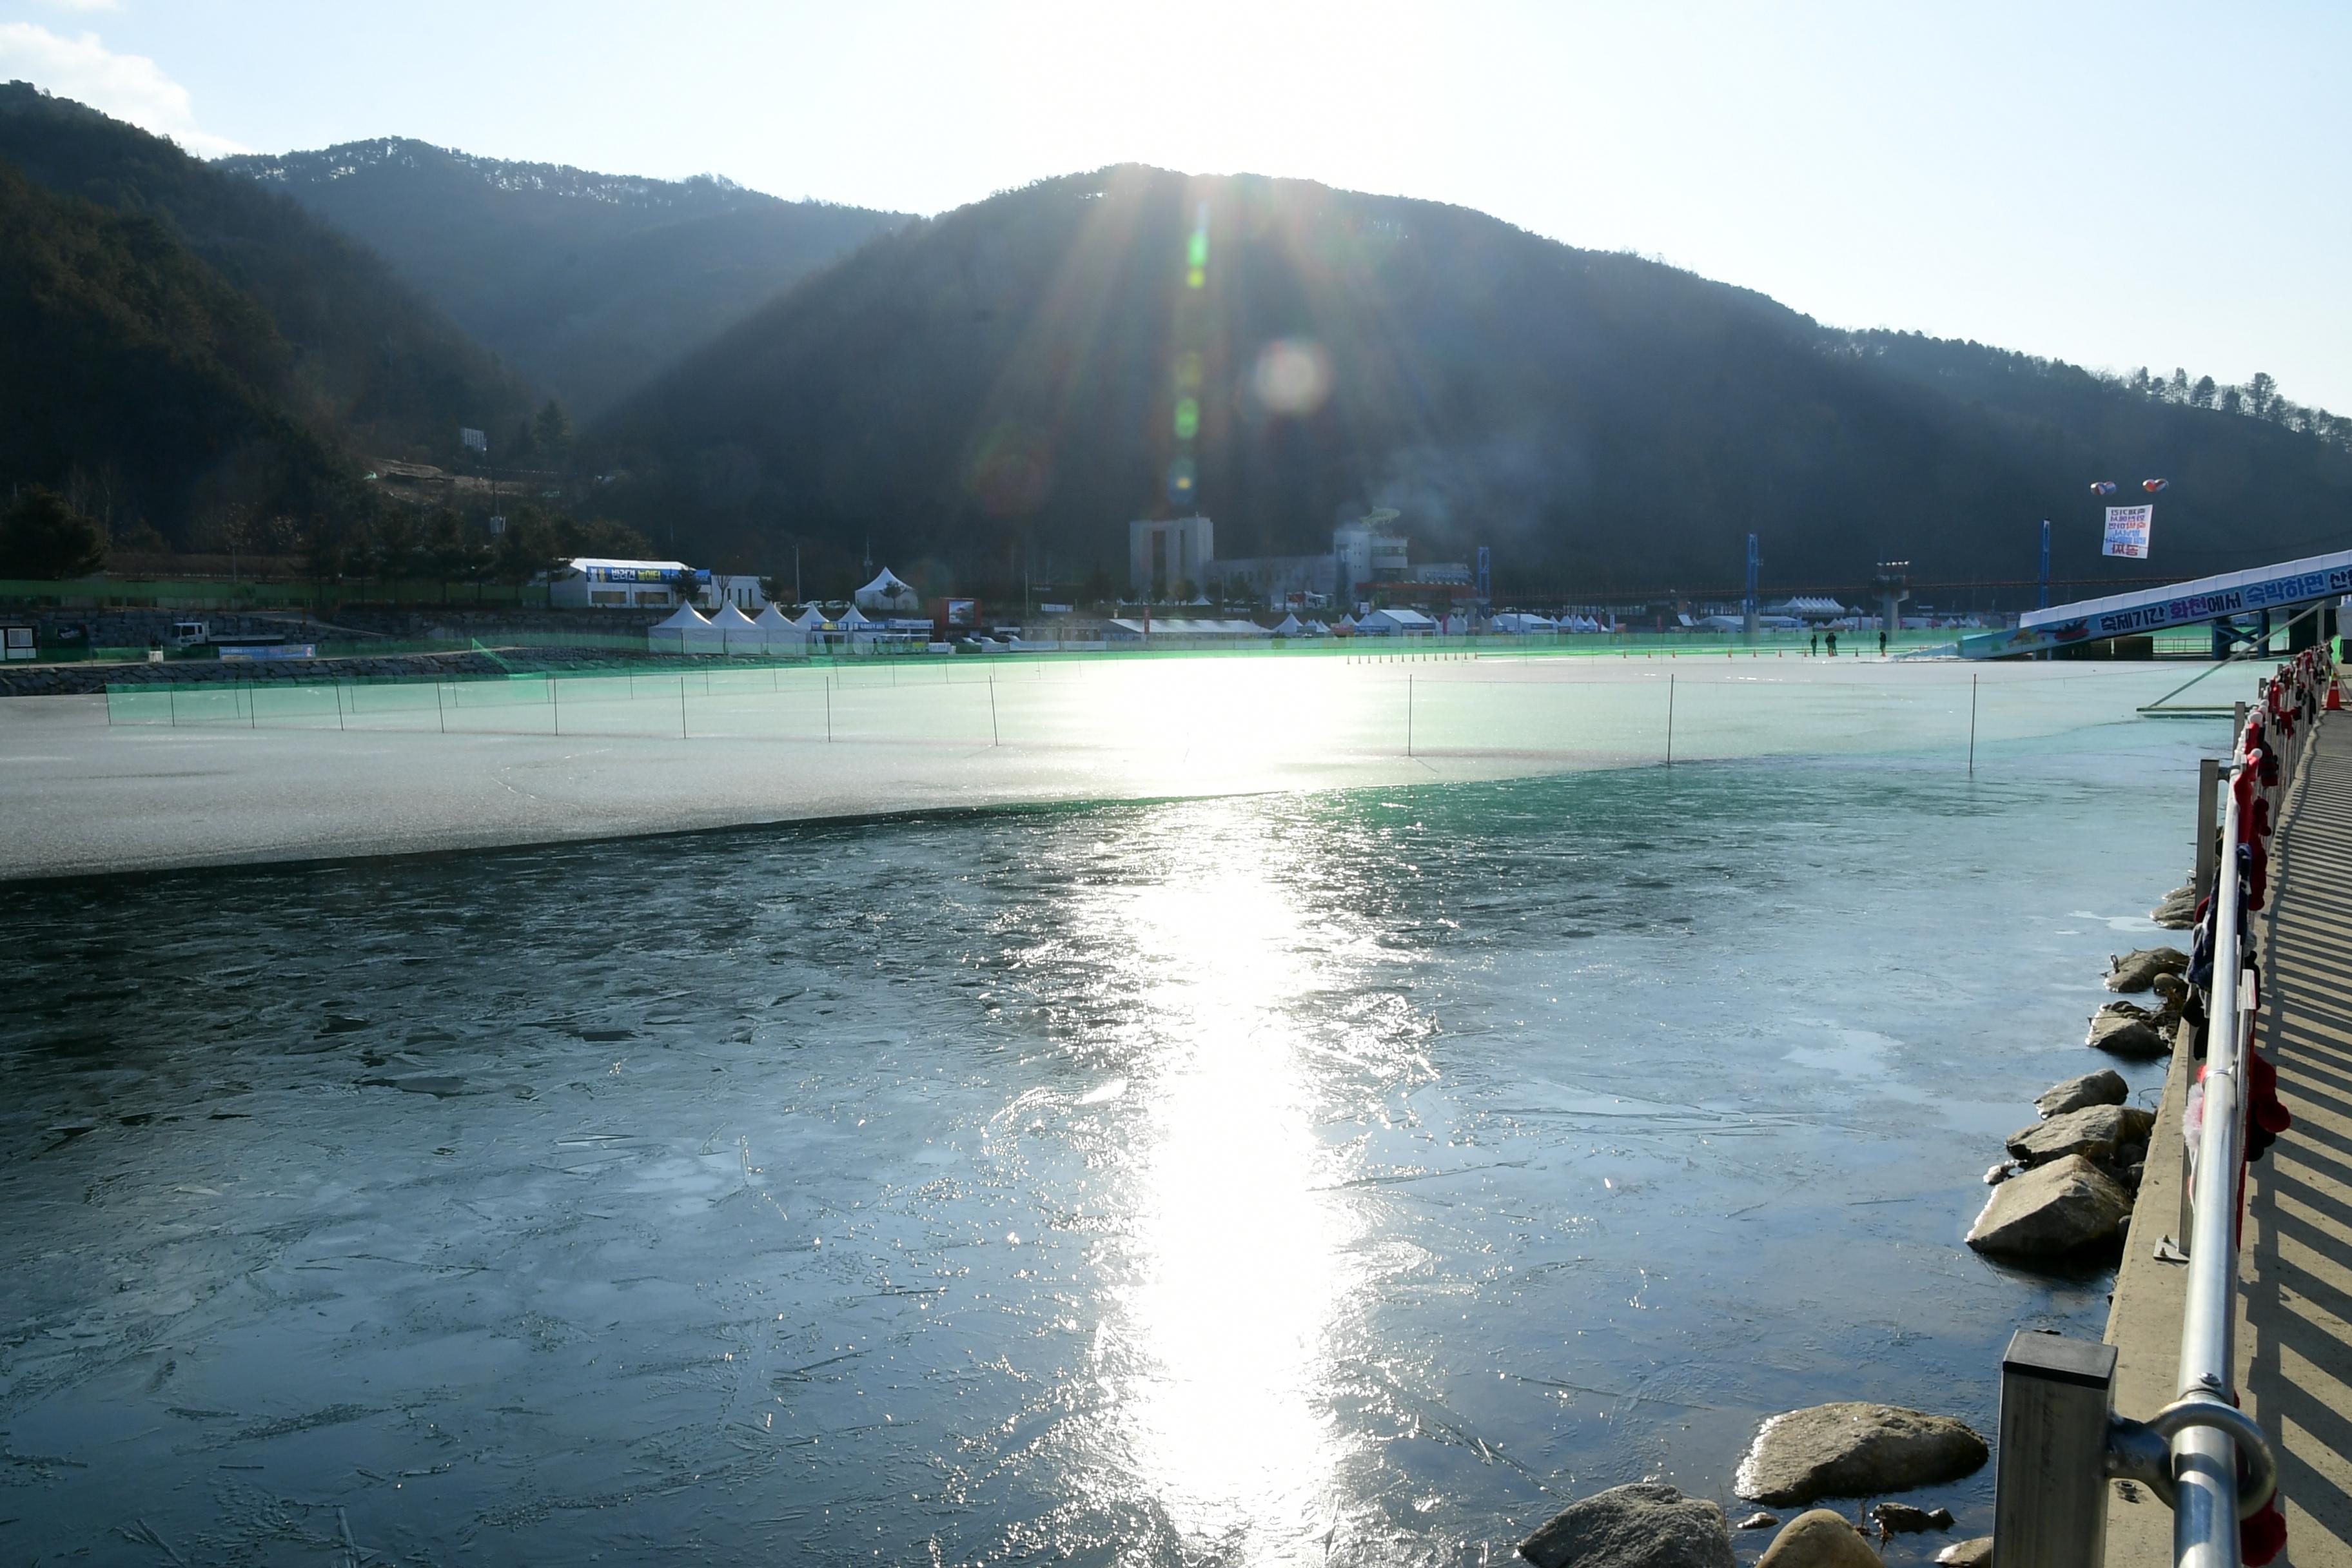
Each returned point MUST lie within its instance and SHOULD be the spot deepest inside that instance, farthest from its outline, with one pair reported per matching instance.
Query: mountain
(1030, 373)
(373, 361)
(588, 282)
(138, 377)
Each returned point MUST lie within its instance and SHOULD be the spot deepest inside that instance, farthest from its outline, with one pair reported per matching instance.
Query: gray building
(1277, 580)
(1164, 552)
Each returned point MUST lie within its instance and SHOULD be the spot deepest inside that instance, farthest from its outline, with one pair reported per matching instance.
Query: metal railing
(2061, 1440)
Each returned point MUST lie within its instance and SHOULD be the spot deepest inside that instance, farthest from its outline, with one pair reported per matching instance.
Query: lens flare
(1292, 376)
(1181, 474)
(1188, 418)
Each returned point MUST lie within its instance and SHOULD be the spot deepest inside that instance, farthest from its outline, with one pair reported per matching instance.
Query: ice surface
(1337, 1176)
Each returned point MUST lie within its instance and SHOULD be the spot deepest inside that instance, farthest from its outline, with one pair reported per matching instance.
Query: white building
(740, 589)
(1366, 555)
(1162, 553)
(590, 582)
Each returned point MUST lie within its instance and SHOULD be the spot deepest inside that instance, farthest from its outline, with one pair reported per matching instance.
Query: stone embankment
(2063, 1197)
(2064, 1194)
(1847, 1449)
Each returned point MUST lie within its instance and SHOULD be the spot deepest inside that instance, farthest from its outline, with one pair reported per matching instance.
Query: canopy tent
(776, 630)
(887, 592)
(811, 618)
(683, 632)
(735, 630)
(1289, 627)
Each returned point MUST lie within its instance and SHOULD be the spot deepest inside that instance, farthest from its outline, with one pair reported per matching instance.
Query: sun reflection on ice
(1220, 1342)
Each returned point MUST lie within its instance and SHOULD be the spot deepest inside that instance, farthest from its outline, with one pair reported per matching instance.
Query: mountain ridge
(1004, 382)
(587, 281)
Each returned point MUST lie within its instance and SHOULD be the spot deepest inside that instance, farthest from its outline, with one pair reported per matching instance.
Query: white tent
(811, 618)
(1289, 627)
(1397, 623)
(1318, 629)
(776, 631)
(1346, 626)
(685, 632)
(853, 618)
(736, 631)
(887, 592)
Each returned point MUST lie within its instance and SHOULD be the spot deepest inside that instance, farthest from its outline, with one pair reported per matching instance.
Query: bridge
(2255, 591)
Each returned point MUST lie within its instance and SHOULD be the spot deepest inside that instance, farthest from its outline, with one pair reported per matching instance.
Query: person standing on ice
(1833, 644)
(1882, 642)
(1813, 646)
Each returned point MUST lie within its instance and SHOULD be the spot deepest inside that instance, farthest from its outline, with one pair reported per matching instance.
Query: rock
(1996, 1175)
(1647, 1525)
(1903, 1518)
(2105, 1087)
(2179, 909)
(2067, 1205)
(1759, 1520)
(2096, 1132)
(2123, 1036)
(1972, 1553)
(2137, 970)
(1855, 1449)
(1821, 1538)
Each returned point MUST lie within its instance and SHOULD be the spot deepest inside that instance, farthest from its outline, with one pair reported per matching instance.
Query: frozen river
(1347, 1175)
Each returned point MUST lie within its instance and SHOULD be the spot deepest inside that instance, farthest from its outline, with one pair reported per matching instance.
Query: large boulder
(2179, 909)
(1974, 1552)
(1854, 1449)
(1822, 1539)
(2096, 1132)
(2105, 1087)
(2065, 1206)
(2137, 970)
(2123, 1034)
(1647, 1525)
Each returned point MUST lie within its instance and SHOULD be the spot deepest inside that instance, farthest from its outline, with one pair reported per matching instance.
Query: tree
(41, 536)
(2261, 395)
(551, 431)
(2203, 394)
(2177, 390)
(2233, 400)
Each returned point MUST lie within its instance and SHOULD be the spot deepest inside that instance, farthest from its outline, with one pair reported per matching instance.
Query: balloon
(2104, 488)
(2152, 486)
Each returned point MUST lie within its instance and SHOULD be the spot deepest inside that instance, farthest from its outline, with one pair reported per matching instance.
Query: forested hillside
(139, 380)
(589, 283)
(1029, 372)
(366, 360)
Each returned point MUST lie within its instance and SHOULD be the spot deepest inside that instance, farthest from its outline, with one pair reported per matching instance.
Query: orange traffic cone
(2335, 697)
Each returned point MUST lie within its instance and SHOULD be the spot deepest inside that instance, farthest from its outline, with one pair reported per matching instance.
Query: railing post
(2049, 1483)
(2209, 825)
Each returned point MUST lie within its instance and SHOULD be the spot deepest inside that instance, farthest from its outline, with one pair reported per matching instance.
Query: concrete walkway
(2294, 1317)
(2294, 1323)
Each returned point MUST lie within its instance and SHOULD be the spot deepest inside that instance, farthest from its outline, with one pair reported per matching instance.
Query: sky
(2116, 185)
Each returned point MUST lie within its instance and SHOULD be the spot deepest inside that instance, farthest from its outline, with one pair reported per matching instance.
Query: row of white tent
(688, 631)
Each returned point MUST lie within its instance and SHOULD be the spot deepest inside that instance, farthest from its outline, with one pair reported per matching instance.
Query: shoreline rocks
(2095, 1133)
(1645, 1524)
(2105, 1087)
(2137, 970)
(2058, 1210)
(2179, 909)
(1855, 1449)
(1822, 1538)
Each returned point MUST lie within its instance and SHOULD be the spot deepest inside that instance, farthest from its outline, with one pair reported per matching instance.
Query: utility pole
(2042, 578)
(1755, 563)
